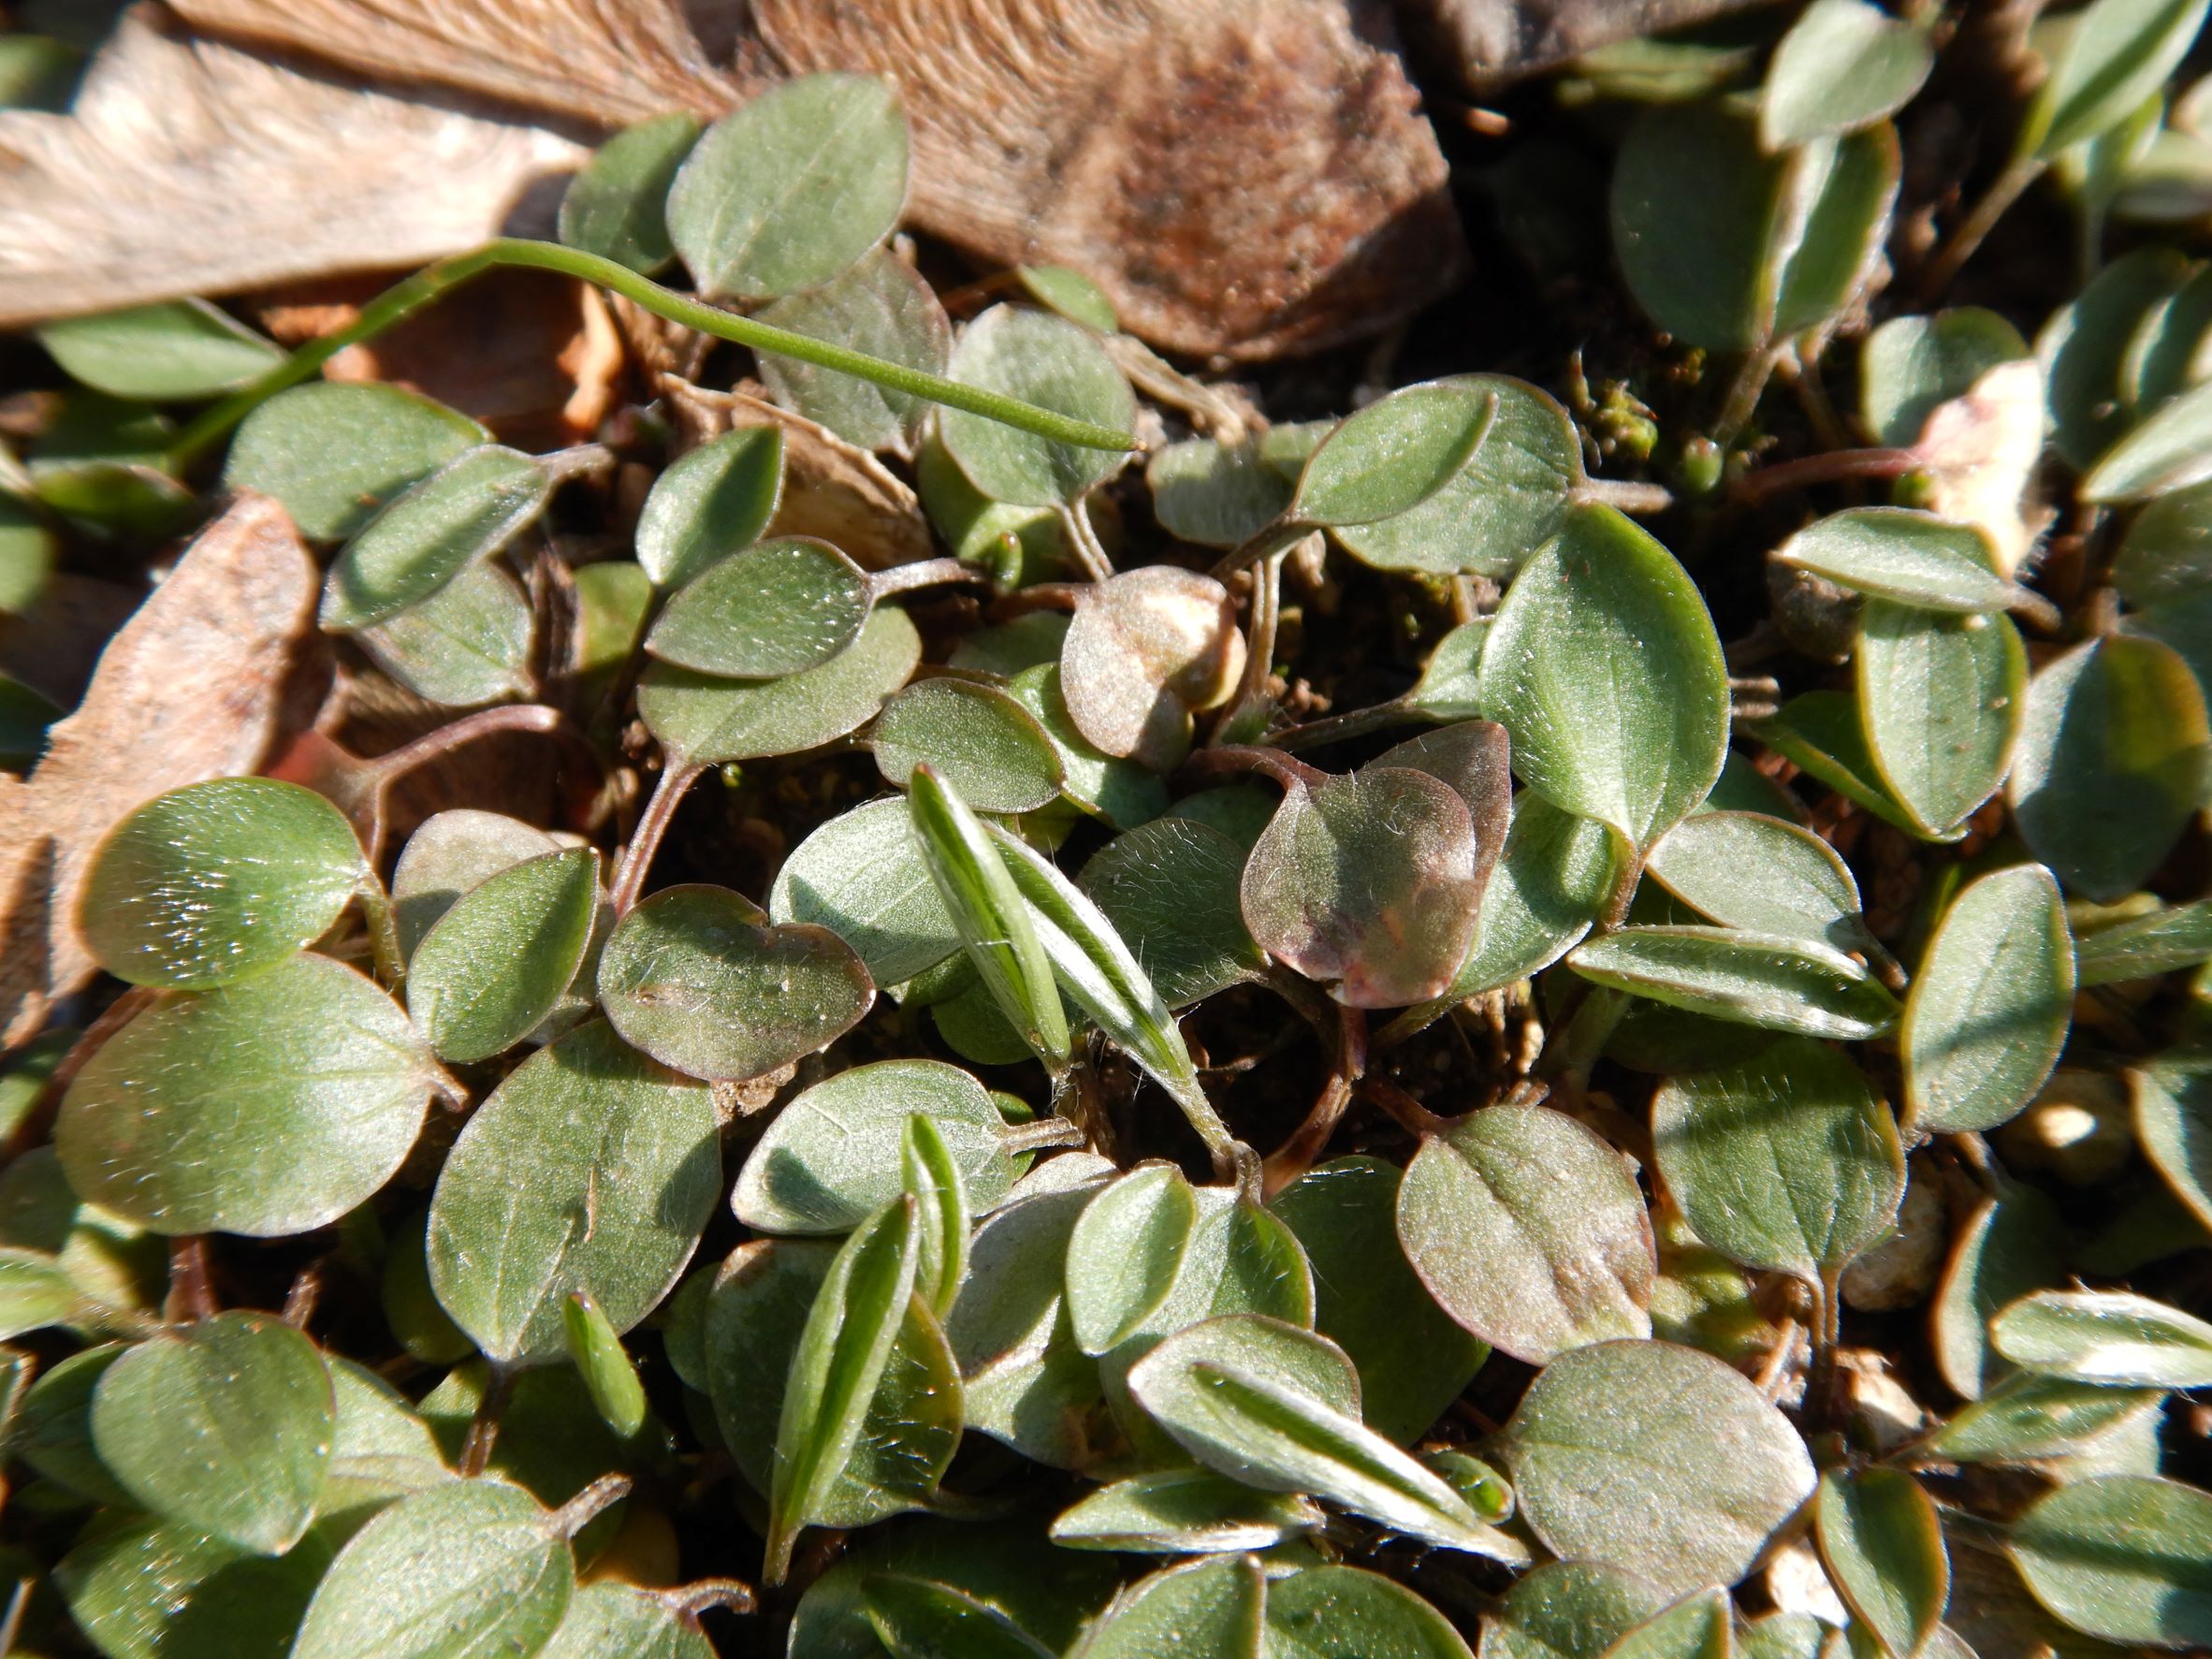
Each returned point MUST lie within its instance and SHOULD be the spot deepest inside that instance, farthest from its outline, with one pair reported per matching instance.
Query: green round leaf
(2014, 1243)
(781, 608)
(701, 980)
(1771, 979)
(986, 745)
(264, 1109)
(497, 963)
(1550, 882)
(1986, 1017)
(468, 643)
(2084, 346)
(1124, 1254)
(1698, 1626)
(2112, 762)
(861, 877)
(1054, 364)
(2171, 449)
(1396, 452)
(1911, 366)
(2127, 1558)
(1941, 697)
(1071, 293)
(1217, 495)
(466, 511)
(335, 452)
(2113, 57)
(1657, 1459)
(707, 720)
(1843, 66)
(1603, 666)
(2031, 1418)
(1412, 1360)
(1528, 1230)
(218, 881)
(913, 1616)
(1507, 499)
(1368, 881)
(2174, 1125)
(1747, 870)
(1210, 1607)
(1170, 889)
(144, 1589)
(225, 1425)
(452, 852)
(467, 1567)
(590, 1169)
(1568, 1609)
(610, 1620)
(1884, 1549)
(2110, 1337)
(176, 349)
(1788, 1161)
(710, 502)
(1342, 1612)
(1914, 558)
(881, 306)
(791, 188)
(617, 204)
(831, 1157)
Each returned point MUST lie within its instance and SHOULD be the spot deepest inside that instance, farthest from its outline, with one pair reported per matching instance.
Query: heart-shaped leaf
(266, 1109)
(1772, 980)
(617, 205)
(792, 187)
(781, 608)
(1057, 365)
(466, 511)
(2112, 762)
(1395, 453)
(498, 961)
(883, 307)
(591, 1168)
(1942, 699)
(1988, 1013)
(1788, 1160)
(707, 720)
(225, 1425)
(986, 745)
(709, 503)
(1603, 666)
(1124, 1254)
(218, 881)
(1146, 649)
(335, 452)
(830, 1157)
(1883, 1547)
(1277, 1408)
(1528, 1230)
(2105, 1336)
(469, 1565)
(1914, 558)
(2125, 1557)
(1182, 1512)
(699, 979)
(1844, 65)
(1747, 870)
(1369, 882)
(1657, 1459)
(1413, 1361)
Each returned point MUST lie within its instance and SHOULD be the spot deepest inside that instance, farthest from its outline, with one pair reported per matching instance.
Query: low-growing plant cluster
(1308, 1042)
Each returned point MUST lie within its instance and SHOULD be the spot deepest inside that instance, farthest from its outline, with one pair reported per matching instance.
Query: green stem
(383, 933)
(405, 298)
(1978, 224)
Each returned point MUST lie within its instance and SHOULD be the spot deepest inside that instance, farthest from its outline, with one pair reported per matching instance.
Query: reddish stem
(645, 841)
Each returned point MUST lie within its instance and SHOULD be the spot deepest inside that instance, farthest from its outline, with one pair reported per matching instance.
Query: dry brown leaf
(190, 689)
(1248, 177)
(1980, 451)
(191, 166)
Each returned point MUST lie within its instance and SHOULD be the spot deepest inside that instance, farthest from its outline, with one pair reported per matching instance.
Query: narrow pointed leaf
(1182, 1512)
(1913, 558)
(779, 607)
(1774, 981)
(595, 1348)
(930, 1175)
(501, 959)
(1884, 1549)
(467, 511)
(2105, 1336)
(1943, 699)
(1124, 1252)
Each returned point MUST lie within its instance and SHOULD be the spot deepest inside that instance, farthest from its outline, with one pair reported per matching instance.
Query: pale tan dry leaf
(1980, 451)
(1244, 176)
(191, 166)
(190, 689)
